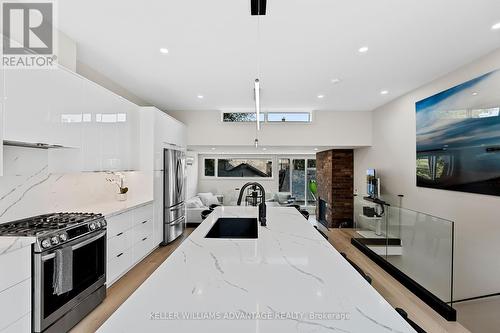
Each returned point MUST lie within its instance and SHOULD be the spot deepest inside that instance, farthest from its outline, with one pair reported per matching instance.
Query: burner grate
(40, 224)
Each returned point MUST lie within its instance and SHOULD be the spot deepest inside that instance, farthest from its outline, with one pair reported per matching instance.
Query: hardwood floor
(386, 285)
(126, 285)
(395, 293)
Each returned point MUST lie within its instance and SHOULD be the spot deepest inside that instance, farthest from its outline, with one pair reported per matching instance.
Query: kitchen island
(289, 279)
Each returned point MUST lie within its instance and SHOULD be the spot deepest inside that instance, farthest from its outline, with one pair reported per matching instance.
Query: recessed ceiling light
(474, 93)
(213, 148)
(164, 50)
(363, 49)
(495, 26)
(264, 148)
(200, 96)
(384, 92)
(315, 149)
(335, 81)
(321, 96)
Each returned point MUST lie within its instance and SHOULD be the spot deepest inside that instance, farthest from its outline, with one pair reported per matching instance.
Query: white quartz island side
(289, 279)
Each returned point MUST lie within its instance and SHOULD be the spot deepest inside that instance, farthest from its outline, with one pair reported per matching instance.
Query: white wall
(230, 187)
(334, 128)
(192, 175)
(393, 154)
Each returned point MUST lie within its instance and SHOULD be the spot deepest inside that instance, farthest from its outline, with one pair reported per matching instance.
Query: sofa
(197, 204)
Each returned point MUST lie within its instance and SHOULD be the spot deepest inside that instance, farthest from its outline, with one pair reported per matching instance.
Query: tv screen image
(458, 137)
(371, 183)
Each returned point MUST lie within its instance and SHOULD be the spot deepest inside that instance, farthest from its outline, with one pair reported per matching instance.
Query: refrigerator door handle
(177, 221)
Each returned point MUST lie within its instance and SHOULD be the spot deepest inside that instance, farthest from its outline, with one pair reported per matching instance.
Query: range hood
(37, 145)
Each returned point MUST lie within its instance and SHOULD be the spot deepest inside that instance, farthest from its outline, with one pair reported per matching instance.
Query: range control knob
(103, 223)
(46, 243)
(92, 226)
(54, 240)
(63, 237)
(98, 224)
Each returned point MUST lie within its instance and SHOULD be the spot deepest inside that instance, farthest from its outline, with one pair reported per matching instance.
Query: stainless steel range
(68, 266)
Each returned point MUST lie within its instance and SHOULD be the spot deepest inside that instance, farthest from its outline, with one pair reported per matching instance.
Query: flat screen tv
(371, 183)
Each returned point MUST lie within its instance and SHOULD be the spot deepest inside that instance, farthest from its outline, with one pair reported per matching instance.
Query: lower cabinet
(20, 325)
(130, 239)
(15, 291)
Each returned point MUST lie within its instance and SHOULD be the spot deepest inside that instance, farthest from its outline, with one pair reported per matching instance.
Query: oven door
(89, 273)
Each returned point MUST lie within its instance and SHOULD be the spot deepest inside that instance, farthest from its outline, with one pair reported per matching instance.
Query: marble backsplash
(28, 188)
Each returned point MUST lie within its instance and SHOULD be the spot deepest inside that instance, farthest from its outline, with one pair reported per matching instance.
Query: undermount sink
(234, 227)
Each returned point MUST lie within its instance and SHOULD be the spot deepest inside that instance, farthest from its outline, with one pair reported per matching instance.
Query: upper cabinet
(2, 100)
(169, 131)
(158, 131)
(97, 128)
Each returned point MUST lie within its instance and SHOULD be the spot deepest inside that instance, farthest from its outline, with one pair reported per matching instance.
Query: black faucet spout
(262, 205)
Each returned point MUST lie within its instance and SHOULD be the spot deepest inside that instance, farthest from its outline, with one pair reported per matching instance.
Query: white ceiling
(213, 48)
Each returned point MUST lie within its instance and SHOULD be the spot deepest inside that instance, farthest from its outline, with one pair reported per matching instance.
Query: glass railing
(417, 244)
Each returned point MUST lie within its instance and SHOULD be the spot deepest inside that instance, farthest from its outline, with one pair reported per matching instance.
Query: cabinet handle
(119, 255)
(144, 239)
(119, 234)
(144, 221)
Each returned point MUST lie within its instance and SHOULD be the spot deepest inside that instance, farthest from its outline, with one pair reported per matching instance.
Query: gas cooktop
(54, 229)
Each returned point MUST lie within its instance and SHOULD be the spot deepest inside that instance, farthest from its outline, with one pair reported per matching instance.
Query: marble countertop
(290, 279)
(110, 208)
(12, 243)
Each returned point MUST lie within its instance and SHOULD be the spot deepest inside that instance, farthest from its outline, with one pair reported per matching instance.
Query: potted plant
(118, 179)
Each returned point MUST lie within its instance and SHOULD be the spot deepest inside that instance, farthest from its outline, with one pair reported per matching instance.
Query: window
(299, 180)
(284, 175)
(294, 117)
(235, 117)
(244, 168)
(296, 176)
(209, 167)
(270, 117)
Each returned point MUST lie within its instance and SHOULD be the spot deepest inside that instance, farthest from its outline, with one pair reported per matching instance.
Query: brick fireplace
(334, 174)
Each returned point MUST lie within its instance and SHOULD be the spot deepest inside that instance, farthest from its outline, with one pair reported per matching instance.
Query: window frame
(229, 157)
(242, 122)
(291, 121)
(265, 119)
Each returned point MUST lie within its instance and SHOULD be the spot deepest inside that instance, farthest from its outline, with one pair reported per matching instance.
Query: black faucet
(262, 205)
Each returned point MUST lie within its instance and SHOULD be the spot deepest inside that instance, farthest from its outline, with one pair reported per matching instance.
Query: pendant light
(260, 7)
(257, 102)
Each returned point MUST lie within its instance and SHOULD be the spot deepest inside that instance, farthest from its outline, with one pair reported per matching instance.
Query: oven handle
(77, 245)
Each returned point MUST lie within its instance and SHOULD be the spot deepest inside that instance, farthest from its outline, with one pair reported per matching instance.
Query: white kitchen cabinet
(110, 140)
(43, 106)
(18, 297)
(130, 239)
(27, 94)
(2, 100)
(21, 259)
(158, 131)
(168, 130)
(22, 325)
(60, 107)
(15, 290)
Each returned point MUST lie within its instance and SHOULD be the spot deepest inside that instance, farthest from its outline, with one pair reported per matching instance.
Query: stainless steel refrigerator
(174, 183)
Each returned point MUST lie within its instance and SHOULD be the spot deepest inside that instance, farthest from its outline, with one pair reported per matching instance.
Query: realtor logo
(28, 34)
